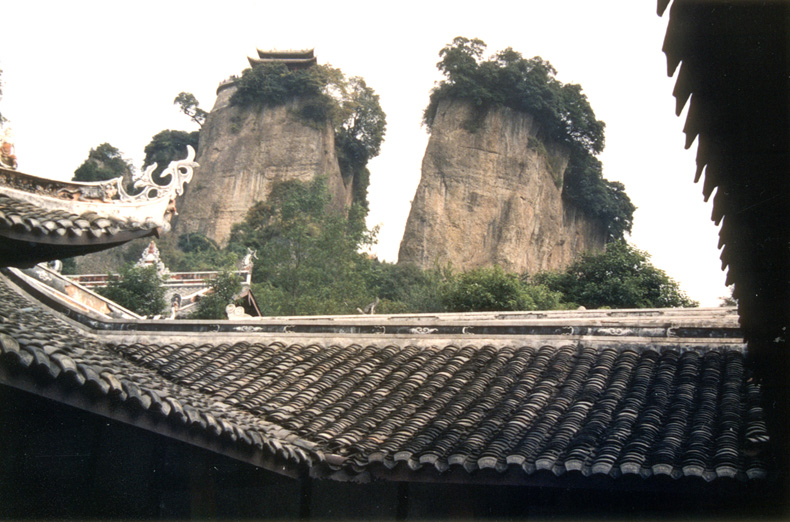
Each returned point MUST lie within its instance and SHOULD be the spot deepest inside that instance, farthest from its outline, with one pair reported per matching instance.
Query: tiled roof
(57, 233)
(60, 226)
(43, 219)
(369, 406)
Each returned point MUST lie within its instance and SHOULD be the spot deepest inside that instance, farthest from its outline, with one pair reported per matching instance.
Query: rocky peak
(491, 194)
(244, 152)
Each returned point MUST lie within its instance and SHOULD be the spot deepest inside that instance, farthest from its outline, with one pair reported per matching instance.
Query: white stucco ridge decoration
(152, 203)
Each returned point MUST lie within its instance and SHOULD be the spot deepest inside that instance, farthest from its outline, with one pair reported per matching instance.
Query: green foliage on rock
(169, 145)
(138, 288)
(562, 111)
(103, 163)
(274, 84)
(191, 107)
(326, 95)
(586, 188)
(224, 288)
(620, 277)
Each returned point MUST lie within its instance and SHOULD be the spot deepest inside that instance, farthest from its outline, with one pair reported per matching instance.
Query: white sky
(80, 73)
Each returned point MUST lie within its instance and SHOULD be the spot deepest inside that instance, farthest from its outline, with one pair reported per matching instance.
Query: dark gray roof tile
(560, 406)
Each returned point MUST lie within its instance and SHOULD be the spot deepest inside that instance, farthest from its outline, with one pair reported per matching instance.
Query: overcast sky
(78, 73)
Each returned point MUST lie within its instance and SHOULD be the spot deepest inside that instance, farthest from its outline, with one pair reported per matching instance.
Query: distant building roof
(294, 59)
(42, 219)
(487, 398)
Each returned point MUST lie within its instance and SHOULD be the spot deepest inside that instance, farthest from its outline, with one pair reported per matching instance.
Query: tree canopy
(224, 288)
(562, 111)
(137, 288)
(527, 85)
(620, 277)
(191, 107)
(195, 252)
(492, 289)
(103, 163)
(167, 146)
(312, 253)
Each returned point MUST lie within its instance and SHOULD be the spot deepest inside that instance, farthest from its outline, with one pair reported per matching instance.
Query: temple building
(293, 59)
(554, 414)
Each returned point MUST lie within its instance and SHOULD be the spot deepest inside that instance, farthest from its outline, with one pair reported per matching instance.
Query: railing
(171, 279)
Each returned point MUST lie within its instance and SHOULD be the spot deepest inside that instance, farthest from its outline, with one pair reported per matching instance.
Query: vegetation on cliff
(349, 104)
(562, 111)
(191, 107)
(314, 262)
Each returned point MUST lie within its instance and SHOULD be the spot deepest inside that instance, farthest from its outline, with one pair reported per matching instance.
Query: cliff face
(242, 153)
(493, 196)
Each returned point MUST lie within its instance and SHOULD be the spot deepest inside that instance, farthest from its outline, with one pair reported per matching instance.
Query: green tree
(361, 121)
(585, 186)
(312, 254)
(619, 277)
(103, 163)
(224, 288)
(493, 289)
(522, 84)
(167, 146)
(404, 288)
(275, 84)
(196, 252)
(191, 107)
(137, 288)
(359, 132)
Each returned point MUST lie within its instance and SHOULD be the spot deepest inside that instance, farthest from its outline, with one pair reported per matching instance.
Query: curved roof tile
(347, 406)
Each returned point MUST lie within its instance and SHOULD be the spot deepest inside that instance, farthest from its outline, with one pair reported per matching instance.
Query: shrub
(137, 288)
(620, 277)
(223, 289)
(493, 289)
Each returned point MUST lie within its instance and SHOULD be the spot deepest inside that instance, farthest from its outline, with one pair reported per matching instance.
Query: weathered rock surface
(493, 197)
(242, 153)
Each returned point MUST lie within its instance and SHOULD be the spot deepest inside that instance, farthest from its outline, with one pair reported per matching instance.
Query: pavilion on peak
(293, 59)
